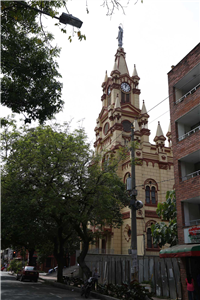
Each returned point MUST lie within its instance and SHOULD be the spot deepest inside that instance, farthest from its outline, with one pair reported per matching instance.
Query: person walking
(95, 275)
(190, 287)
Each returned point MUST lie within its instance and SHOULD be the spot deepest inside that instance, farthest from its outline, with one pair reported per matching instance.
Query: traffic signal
(14, 253)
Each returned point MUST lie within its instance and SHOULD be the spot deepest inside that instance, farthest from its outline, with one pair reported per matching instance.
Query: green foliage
(30, 77)
(15, 266)
(134, 291)
(53, 187)
(161, 232)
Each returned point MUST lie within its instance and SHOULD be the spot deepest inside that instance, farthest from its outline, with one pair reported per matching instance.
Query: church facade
(154, 172)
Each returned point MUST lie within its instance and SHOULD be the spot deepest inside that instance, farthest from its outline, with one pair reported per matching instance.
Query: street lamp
(71, 20)
(64, 18)
(134, 205)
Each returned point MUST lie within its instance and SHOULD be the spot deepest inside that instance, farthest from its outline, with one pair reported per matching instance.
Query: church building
(154, 172)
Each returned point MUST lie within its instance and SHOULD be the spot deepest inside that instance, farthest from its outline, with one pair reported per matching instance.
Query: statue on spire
(120, 36)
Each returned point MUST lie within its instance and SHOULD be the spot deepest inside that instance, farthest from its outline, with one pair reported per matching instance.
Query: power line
(159, 103)
(156, 181)
(159, 116)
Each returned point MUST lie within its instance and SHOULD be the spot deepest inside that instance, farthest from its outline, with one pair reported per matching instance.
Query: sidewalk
(53, 280)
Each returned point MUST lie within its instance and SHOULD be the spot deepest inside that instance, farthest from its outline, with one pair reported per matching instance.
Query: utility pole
(134, 205)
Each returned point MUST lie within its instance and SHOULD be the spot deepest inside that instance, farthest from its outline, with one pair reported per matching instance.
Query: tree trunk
(59, 255)
(81, 260)
(30, 259)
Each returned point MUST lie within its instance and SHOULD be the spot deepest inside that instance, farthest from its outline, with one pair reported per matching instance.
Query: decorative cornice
(163, 165)
(136, 91)
(103, 97)
(97, 142)
(145, 131)
(151, 214)
(104, 109)
(116, 126)
(126, 215)
(115, 86)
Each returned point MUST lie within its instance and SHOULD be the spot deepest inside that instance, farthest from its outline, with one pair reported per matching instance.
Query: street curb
(76, 289)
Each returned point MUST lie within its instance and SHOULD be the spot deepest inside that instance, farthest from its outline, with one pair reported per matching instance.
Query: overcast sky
(157, 35)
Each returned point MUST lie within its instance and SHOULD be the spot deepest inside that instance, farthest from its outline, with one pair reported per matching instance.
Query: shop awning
(181, 251)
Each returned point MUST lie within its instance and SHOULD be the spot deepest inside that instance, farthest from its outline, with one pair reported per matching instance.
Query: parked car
(2, 268)
(28, 272)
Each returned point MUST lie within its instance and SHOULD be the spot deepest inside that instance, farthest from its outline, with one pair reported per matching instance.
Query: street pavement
(52, 278)
(12, 289)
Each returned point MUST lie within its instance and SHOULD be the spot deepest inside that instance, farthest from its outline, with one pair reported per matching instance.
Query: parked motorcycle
(86, 288)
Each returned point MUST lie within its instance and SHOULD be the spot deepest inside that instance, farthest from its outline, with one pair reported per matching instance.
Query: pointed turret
(136, 78)
(159, 138)
(135, 72)
(144, 110)
(169, 136)
(105, 80)
(144, 116)
(137, 133)
(117, 109)
(106, 77)
(159, 131)
(136, 126)
(117, 103)
(120, 62)
(115, 68)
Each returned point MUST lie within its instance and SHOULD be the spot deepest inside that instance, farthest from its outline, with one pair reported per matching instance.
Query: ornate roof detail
(144, 110)
(135, 71)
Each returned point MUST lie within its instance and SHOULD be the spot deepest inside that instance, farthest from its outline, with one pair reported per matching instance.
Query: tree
(54, 172)
(163, 233)
(30, 74)
(30, 83)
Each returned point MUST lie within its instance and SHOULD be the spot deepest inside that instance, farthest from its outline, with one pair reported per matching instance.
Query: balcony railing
(191, 175)
(188, 93)
(192, 222)
(188, 133)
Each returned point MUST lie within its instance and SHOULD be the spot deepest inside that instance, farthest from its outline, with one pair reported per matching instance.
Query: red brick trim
(126, 215)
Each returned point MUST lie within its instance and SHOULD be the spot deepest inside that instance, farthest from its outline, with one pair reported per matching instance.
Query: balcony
(187, 85)
(187, 94)
(189, 123)
(192, 211)
(190, 166)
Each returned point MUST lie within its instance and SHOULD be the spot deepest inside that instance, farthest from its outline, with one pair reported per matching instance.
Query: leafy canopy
(161, 232)
(54, 188)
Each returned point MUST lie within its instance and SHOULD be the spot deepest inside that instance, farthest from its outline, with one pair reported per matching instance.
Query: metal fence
(162, 273)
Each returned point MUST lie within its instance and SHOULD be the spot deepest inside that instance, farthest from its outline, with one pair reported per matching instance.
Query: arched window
(126, 126)
(109, 100)
(150, 244)
(151, 188)
(147, 194)
(125, 98)
(153, 195)
(149, 238)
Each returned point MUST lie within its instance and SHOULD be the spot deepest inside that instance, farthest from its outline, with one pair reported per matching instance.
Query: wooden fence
(162, 273)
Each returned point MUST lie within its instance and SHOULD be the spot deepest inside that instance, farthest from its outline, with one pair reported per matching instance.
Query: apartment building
(184, 97)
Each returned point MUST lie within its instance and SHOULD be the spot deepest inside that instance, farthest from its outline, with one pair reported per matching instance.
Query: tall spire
(159, 138)
(159, 131)
(135, 71)
(120, 65)
(169, 135)
(144, 110)
(106, 77)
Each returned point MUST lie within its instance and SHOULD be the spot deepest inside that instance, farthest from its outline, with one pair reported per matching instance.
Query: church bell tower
(154, 172)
